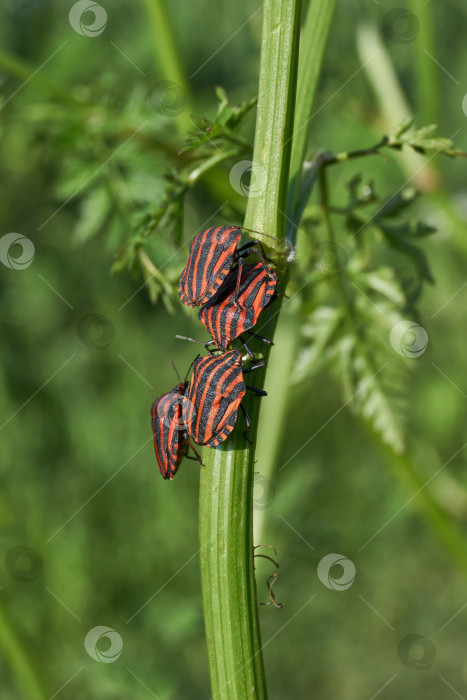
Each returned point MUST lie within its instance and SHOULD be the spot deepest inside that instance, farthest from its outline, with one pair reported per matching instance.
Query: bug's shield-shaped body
(209, 262)
(228, 313)
(214, 396)
(169, 430)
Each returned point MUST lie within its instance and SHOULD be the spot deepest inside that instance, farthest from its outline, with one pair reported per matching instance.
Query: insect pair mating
(232, 294)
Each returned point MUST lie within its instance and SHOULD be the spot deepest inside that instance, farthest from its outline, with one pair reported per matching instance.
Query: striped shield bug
(211, 257)
(171, 440)
(214, 395)
(236, 306)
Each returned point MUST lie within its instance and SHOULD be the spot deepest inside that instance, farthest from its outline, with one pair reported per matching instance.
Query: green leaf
(355, 224)
(378, 403)
(94, 210)
(383, 281)
(373, 387)
(223, 130)
(397, 203)
(319, 331)
(397, 237)
(423, 140)
(78, 177)
(404, 127)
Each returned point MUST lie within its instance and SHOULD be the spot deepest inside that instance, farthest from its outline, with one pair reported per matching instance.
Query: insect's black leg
(263, 259)
(247, 246)
(214, 350)
(247, 348)
(259, 337)
(198, 456)
(239, 279)
(258, 365)
(247, 423)
(258, 392)
(258, 248)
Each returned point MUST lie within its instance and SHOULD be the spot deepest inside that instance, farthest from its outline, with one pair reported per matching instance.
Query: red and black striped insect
(210, 259)
(171, 441)
(236, 306)
(214, 395)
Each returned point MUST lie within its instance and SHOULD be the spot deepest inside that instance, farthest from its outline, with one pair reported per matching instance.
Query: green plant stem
(226, 513)
(329, 158)
(313, 44)
(272, 418)
(325, 209)
(443, 526)
(168, 59)
(21, 666)
(209, 164)
(392, 101)
(274, 125)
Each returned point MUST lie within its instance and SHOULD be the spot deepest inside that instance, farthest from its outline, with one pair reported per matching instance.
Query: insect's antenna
(175, 370)
(198, 342)
(261, 233)
(189, 368)
(211, 350)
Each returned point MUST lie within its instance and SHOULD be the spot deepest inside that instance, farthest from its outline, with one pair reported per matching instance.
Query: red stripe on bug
(210, 259)
(229, 313)
(171, 440)
(214, 395)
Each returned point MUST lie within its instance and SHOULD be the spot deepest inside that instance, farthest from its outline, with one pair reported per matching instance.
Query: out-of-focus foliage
(423, 141)
(355, 294)
(85, 173)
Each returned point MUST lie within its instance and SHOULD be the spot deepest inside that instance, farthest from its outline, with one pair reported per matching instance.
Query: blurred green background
(81, 486)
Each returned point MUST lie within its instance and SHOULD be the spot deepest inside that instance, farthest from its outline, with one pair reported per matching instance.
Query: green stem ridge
(275, 117)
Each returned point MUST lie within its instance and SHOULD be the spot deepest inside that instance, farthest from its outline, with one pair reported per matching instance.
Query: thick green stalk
(20, 665)
(443, 526)
(168, 58)
(313, 44)
(274, 121)
(226, 513)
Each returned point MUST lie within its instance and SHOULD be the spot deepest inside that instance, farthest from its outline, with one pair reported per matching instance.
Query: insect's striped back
(213, 397)
(209, 262)
(224, 319)
(169, 430)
